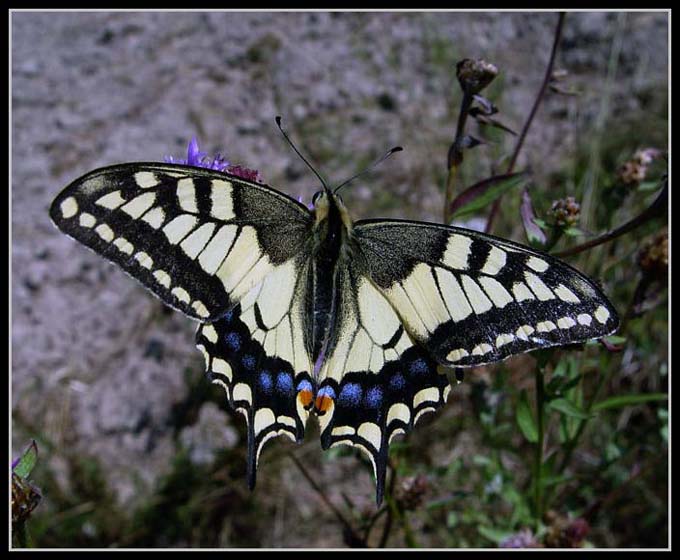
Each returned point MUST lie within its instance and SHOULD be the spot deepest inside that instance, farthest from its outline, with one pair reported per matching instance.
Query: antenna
(376, 162)
(278, 123)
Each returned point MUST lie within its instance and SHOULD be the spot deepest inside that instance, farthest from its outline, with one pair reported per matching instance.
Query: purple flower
(524, 539)
(198, 158)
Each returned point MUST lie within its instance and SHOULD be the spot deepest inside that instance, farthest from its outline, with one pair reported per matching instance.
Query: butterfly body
(304, 312)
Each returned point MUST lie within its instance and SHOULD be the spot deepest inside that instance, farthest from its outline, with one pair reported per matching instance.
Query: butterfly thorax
(332, 229)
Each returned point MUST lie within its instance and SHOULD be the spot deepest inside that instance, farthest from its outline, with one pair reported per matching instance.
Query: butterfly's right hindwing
(197, 238)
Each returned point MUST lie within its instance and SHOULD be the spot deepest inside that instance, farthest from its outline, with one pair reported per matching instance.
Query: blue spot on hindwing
(264, 380)
(397, 382)
(418, 367)
(305, 385)
(233, 340)
(248, 361)
(374, 397)
(350, 394)
(326, 391)
(284, 383)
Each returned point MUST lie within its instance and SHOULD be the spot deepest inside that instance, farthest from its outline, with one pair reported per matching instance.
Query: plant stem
(455, 156)
(570, 445)
(532, 114)
(538, 457)
(389, 499)
(348, 526)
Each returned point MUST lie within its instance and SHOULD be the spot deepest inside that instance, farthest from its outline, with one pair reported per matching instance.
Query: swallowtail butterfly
(304, 312)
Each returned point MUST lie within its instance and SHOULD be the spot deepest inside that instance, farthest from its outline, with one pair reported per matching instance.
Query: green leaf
(573, 232)
(525, 419)
(494, 535)
(549, 481)
(568, 408)
(648, 186)
(628, 400)
(571, 383)
(615, 339)
(27, 461)
(480, 195)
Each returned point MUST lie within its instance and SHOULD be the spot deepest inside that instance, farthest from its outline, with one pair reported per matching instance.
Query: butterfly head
(329, 207)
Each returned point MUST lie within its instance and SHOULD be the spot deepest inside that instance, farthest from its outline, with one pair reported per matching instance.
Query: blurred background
(136, 448)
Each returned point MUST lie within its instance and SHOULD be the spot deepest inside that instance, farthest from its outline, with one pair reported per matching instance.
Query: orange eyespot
(323, 403)
(305, 397)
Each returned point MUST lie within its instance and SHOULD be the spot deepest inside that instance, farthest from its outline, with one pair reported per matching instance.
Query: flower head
(653, 257)
(565, 532)
(410, 493)
(197, 158)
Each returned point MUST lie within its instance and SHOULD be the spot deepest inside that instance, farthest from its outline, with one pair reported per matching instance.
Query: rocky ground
(99, 369)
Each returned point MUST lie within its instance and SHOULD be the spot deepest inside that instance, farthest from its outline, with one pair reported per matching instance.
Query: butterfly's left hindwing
(473, 299)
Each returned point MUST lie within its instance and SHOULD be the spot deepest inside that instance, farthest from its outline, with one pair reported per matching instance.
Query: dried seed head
(25, 498)
(565, 532)
(566, 212)
(653, 257)
(475, 75)
(634, 171)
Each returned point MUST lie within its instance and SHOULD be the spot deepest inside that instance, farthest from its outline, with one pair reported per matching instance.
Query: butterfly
(303, 311)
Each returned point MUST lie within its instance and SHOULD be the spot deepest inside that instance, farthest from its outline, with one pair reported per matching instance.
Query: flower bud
(523, 539)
